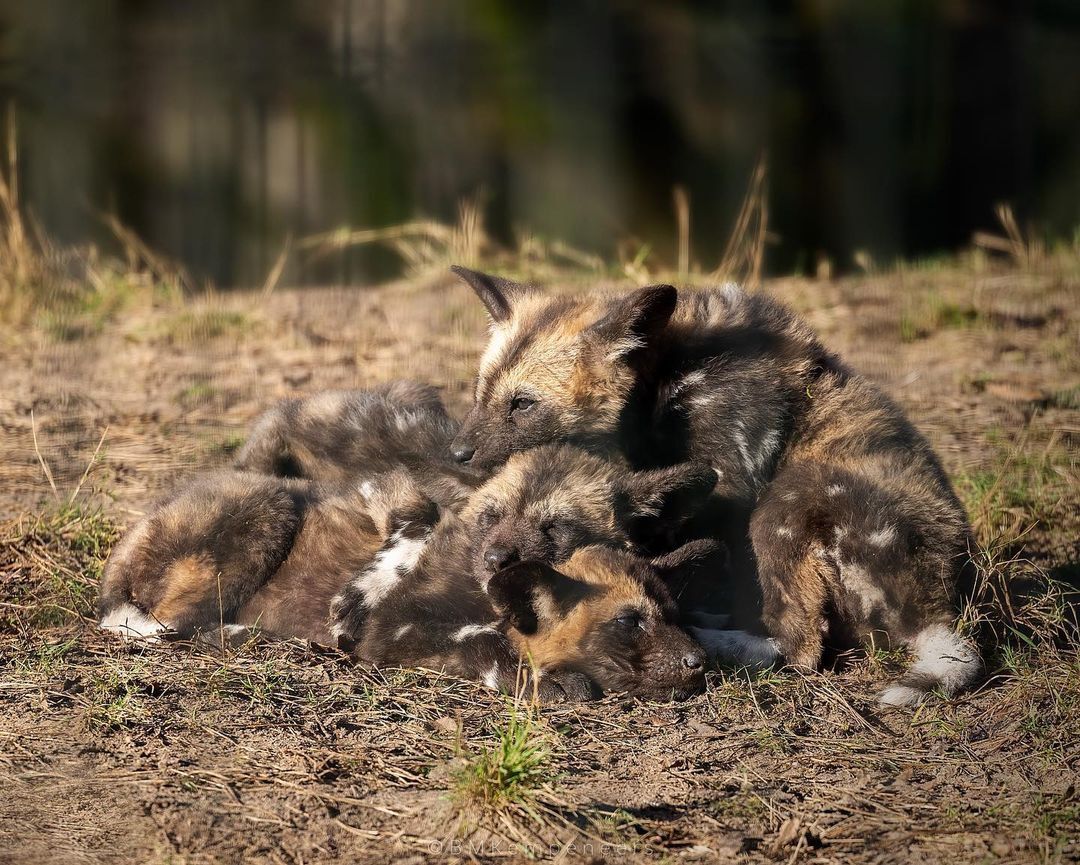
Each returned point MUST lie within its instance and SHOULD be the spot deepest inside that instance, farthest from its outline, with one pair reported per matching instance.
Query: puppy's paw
(737, 648)
(347, 615)
(566, 686)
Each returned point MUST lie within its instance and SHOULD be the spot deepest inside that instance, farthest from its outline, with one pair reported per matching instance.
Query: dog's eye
(630, 621)
(558, 531)
(521, 404)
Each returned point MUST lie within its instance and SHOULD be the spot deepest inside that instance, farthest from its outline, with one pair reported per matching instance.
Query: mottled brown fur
(179, 566)
(345, 436)
(852, 522)
(169, 565)
(237, 548)
(547, 502)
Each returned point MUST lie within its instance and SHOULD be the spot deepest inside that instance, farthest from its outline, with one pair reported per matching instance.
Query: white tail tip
(132, 623)
(944, 662)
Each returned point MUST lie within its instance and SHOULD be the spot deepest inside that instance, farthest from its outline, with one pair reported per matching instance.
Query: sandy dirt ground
(291, 754)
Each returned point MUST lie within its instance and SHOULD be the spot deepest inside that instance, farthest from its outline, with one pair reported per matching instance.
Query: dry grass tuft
(75, 292)
(743, 260)
(50, 565)
(424, 245)
(1018, 608)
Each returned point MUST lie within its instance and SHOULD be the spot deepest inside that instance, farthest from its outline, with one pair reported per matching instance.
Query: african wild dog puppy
(542, 506)
(241, 550)
(601, 609)
(853, 525)
(235, 554)
(603, 620)
(340, 436)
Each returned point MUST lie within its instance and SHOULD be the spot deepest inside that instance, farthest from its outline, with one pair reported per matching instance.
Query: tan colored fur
(615, 590)
(567, 369)
(188, 581)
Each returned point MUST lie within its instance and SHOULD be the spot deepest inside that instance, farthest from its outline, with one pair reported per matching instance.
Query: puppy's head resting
(549, 501)
(605, 614)
(556, 369)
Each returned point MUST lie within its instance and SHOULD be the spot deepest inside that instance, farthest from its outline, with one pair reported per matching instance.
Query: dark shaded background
(216, 127)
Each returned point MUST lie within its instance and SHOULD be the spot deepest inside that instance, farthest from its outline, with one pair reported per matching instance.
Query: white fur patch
(740, 442)
(901, 695)
(834, 489)
(491, 678)
(325, 405)
(622, 347)
(390, 564)
(402, 631)
(858, 581)
(732, 292)
(131, 622)
(882, 537)
(944, 656)
(500, 336)
(770, 441)
(468, 631)
(234, 635)
(688, 381)
(405, 420)
(737, 647)
(785, 532)
(943, 660)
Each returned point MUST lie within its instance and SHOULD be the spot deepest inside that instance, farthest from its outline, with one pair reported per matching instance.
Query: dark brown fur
(552, 500)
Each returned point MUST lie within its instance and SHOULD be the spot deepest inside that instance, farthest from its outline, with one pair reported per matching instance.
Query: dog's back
(347, 435)
(244, 550)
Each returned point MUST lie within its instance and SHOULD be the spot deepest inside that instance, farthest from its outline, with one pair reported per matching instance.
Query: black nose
(462, 453)
(498, 557)
(693, 660)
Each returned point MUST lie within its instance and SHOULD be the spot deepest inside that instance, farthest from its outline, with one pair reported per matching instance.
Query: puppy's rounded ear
(533, 596)
(499, 295)
(670, 494)
(689, 555)
(680, 566)
(633, 320)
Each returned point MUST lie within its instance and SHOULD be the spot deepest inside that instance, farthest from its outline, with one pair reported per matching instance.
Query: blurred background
(216, 130)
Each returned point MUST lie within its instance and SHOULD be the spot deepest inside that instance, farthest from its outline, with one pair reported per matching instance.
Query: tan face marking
(615, 592)
(542, 352)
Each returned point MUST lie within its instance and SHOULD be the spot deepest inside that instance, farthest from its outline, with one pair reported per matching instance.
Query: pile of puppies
(630, 463)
